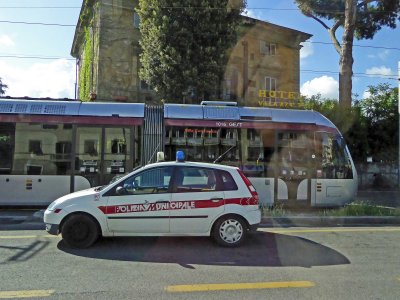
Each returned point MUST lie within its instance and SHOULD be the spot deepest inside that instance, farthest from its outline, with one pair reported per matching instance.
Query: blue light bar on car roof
(180, 156)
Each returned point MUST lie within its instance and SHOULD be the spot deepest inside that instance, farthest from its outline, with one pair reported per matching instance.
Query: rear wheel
(80, 231)
(229, 231)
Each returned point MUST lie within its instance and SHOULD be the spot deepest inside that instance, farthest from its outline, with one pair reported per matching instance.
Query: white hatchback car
(161, 199)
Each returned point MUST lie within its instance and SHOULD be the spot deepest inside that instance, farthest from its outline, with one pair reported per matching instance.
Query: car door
(196, 199)
(140, 203)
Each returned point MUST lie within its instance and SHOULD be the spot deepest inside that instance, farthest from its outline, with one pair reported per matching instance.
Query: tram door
(293, 184)
(103, 153)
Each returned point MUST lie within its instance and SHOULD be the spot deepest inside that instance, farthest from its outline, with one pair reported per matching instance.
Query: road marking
(26, 294)
(27, 236)
(238, 286)
(330, 230)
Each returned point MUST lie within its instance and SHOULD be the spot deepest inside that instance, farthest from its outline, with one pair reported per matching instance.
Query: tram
(49, 148)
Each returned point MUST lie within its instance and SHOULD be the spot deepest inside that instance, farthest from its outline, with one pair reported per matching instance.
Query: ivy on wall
(85, 74)
(85, 70)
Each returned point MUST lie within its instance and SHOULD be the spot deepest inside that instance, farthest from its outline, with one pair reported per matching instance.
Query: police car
(161, 199)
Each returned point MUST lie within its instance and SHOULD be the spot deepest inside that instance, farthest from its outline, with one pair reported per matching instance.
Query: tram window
(253, 137)
(118, 147)
(46, 152)
(255, 154)
(232, 155)
(35, 147)
(194, 136)
(193, 153)
(63, 147)
(6, 152)
(229, 137)
(90, 147)
(178, 136)
(334, 162)
(34, 170)
(268, 154)
(211, 153)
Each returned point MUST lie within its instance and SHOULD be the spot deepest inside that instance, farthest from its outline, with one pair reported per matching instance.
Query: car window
(151, 181)
(228, 182)
(193, 179)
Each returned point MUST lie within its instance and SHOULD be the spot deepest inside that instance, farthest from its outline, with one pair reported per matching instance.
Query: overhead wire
(194, 7)
(355, 74)
(184, 7)
(205, 34)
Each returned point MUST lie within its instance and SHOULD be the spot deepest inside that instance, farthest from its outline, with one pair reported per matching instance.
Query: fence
(379, 176)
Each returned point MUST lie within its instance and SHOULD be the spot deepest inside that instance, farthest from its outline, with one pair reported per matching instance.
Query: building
(106, 45)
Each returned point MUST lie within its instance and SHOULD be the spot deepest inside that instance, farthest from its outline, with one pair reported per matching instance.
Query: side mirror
(121, 191)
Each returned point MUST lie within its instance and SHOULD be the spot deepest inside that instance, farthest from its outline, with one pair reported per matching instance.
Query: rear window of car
(228, 182)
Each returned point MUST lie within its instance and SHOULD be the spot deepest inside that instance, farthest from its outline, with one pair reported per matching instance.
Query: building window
(267, 48)
(270, 85)
(136, 20)
(230, 86)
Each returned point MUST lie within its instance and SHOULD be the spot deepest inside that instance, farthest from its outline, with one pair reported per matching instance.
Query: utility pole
(398, 105)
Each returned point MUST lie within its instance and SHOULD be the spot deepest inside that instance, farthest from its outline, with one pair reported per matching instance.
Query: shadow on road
(23, 253)
(262, 249)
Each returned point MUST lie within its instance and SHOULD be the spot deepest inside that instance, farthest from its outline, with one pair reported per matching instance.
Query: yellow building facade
(265, 58)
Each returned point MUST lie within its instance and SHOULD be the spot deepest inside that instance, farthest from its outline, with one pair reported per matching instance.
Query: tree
(185, 45)
(359, 18)
(381, 113)
(3, 87)
(351, 123)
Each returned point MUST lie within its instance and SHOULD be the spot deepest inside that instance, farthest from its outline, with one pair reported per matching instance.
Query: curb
(310, 221)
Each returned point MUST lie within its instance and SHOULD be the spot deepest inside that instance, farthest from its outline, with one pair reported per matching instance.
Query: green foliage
(278, 210)
(3, 87)
(370, 127)
(362, 209)
(371, 15)
(86, 16)
(381, 112)
(85, 70)
(350, 121)
(366, 20)
(185, 45)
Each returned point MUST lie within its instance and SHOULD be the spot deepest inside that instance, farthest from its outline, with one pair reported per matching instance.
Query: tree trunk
(346, 56)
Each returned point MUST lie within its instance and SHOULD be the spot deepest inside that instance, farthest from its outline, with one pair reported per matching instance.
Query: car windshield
(285, 118)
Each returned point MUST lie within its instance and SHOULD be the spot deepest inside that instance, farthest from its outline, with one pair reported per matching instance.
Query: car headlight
(52, 206)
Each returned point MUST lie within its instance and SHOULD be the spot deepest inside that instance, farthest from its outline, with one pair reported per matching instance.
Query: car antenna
(219, 158)
(154, 153)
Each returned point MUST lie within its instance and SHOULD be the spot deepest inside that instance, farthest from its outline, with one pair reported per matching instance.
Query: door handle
(216, 199)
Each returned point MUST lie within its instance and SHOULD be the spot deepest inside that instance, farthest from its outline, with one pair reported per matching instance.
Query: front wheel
(80, 231)
(229, 231)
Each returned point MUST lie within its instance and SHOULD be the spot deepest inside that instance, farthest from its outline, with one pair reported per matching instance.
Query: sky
(35, 59)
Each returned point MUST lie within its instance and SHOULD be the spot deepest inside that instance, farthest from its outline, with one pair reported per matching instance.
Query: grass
(355, 209)
(277, 210)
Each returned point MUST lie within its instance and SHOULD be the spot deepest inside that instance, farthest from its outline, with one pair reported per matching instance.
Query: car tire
(230, 231)
(80, 231)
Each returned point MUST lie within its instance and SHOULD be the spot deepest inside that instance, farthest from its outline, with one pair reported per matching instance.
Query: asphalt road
(290, 263)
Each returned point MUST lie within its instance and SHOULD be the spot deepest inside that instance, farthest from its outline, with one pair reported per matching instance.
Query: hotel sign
(280, 99)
